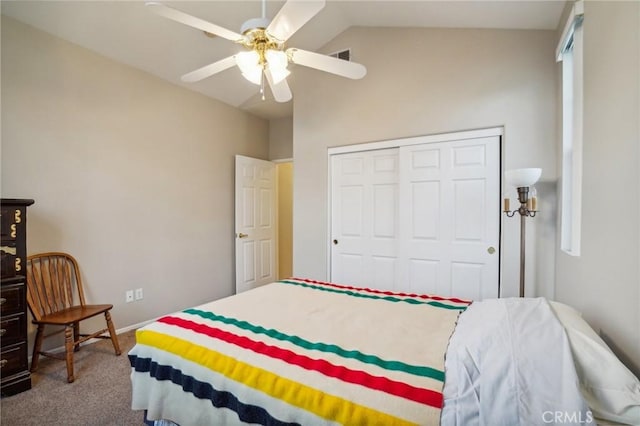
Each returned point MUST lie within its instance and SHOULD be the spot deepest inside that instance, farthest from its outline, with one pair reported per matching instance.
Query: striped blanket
(297, 352)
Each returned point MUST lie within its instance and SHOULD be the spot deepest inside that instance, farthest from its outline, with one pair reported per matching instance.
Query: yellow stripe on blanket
(296, 394)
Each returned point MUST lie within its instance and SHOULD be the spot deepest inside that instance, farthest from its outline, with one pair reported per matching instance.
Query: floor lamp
(523, 180)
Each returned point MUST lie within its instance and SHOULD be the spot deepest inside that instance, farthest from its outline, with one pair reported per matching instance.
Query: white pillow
(610, 389)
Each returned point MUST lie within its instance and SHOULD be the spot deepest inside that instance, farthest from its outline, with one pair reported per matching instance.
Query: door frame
(419, 140)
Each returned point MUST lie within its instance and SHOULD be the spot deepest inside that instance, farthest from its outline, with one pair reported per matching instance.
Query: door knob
(335, 242)
(491, 250)
(241, 235)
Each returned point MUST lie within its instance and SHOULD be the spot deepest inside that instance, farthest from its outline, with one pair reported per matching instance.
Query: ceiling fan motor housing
(254, 23)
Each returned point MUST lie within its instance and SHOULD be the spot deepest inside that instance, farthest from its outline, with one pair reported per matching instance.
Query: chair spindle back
(53, 282)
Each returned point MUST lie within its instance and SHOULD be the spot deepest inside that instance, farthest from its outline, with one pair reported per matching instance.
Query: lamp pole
(522, 257)
(528, 207)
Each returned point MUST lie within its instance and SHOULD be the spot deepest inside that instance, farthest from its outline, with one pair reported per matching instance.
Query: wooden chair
(55, 297)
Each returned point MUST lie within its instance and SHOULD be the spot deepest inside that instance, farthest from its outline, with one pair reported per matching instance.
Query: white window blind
(570, 53)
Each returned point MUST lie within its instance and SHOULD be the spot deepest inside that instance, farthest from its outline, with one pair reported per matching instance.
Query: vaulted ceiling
(127, 32)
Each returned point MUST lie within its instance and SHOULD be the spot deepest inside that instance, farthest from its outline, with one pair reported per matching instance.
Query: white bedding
(515, 369)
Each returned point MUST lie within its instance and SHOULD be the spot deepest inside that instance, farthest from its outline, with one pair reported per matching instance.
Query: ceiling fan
(265, 56)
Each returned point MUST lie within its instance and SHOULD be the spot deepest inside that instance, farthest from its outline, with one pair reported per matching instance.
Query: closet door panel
(451, 190)
(424, 202)
(364, 224)
(475, 178)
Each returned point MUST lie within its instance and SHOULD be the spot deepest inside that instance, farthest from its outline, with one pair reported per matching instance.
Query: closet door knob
(491, 250)
(335, 242)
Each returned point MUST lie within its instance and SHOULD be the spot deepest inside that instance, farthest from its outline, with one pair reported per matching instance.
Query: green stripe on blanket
(372, 296)
(415, 370)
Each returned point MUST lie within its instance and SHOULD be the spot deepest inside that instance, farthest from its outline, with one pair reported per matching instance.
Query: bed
(307, 352)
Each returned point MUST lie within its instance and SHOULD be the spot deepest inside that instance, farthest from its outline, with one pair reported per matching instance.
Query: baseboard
(129, 328)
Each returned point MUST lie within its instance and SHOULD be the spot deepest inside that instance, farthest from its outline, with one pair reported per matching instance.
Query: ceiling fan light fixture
(277, 59)
(277, 62)
(248, 60)
(249, 64)
(254, 75)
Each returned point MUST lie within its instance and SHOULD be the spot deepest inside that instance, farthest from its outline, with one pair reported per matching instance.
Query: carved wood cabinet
(14, 364)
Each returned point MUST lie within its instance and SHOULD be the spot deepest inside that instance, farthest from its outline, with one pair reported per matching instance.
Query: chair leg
(112, 333)
(68, 345)
(37, 347)
(76, 336)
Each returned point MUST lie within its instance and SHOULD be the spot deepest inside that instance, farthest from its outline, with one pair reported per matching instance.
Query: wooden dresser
(14, 364)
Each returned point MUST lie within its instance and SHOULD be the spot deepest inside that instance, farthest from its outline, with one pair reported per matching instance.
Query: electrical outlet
(128, 296)
(139, 295)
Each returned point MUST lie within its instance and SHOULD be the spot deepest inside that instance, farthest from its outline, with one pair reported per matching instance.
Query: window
(569, 52)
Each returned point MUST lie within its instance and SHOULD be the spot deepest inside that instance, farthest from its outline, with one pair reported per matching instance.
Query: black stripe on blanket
(246, 412)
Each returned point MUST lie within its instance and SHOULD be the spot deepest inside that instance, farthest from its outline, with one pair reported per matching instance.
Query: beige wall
(132, 175)
(426, 81)
(281, 138)
(604, 282)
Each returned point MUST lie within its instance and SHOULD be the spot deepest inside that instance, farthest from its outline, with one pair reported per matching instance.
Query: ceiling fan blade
(293, 15)
(327, 63)
(192, 21)
(281, 91)
(209, 70)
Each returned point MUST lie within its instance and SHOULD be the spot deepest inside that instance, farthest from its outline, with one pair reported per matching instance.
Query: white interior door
(418, 218)
(255, 188)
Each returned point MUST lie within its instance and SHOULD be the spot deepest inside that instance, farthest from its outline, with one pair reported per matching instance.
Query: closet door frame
(418, 140)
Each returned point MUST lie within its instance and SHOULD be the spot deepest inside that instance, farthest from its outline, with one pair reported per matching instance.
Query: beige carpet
(100, 395)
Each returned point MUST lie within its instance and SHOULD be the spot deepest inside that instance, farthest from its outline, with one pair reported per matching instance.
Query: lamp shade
(249, 64)
(276, 59)
(277, 62)
(254, 75)
(522, 177)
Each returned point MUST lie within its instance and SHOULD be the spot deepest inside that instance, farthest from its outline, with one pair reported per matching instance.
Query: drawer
(11, 222)
(13, 299)
(13, 329)
(13, 359)
(8, 261)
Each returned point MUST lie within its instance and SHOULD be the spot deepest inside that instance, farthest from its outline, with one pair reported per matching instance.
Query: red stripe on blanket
(421, 395)
(386, 293)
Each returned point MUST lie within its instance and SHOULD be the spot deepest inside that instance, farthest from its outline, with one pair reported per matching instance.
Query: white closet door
(419, 218)
(450, 203)
(364, 212)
